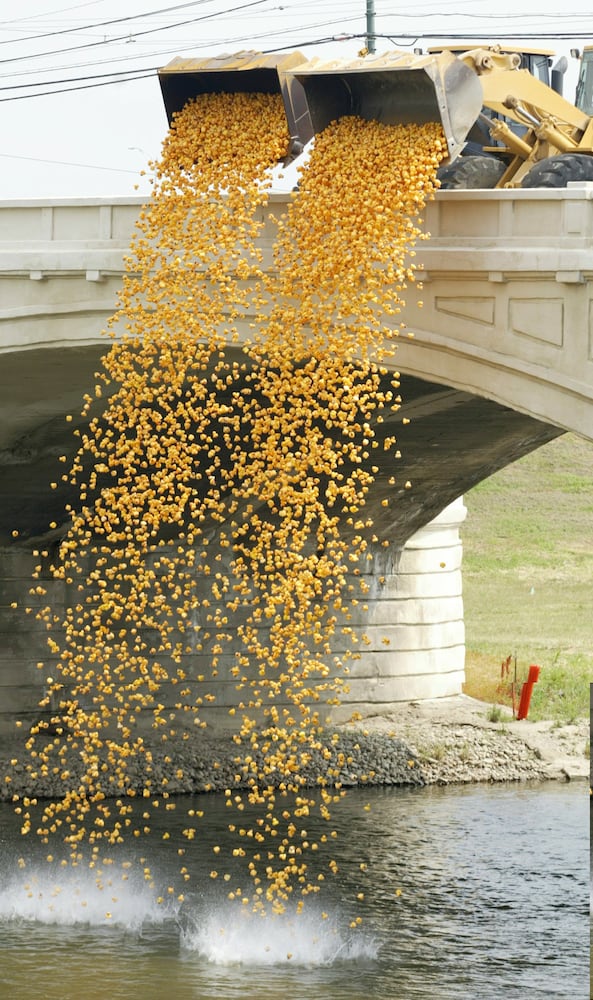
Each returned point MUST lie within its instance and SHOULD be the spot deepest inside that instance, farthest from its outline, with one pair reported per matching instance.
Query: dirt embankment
(454, 742)
(446, 741)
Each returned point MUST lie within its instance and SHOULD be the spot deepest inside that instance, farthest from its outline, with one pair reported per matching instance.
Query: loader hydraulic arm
(503, 133)
(550, 119)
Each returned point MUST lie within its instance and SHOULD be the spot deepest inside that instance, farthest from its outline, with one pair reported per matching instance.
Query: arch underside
(454, 439)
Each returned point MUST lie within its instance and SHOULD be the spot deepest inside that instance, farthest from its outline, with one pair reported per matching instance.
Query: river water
(470, 893)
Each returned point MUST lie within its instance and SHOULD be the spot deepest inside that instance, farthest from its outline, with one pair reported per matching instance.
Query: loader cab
(584, 93)
(539, 62)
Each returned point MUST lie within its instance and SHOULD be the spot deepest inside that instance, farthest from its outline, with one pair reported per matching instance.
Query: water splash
(223, 935)
(231, 936)
(69, 897)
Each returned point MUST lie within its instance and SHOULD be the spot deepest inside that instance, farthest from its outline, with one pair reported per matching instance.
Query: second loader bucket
(395, 88)
(242, 72)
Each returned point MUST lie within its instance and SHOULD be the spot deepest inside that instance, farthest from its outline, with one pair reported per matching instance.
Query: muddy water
(470, 893)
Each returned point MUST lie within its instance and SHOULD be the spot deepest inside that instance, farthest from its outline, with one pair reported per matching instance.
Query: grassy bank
(528, 578)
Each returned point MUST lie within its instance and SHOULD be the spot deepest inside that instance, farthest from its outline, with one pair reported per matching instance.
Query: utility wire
(136, 34)
(167, 47)
(486, 17)
(50, 13)
(67, 163)
(194, 47)
(126, 76)
(346, 37)
(146, 70)
(129, 76)
(133, 36)
(103, 24)
(67, 90)
(461, 36)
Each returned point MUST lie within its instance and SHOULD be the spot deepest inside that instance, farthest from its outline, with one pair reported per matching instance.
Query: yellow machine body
(450, 87)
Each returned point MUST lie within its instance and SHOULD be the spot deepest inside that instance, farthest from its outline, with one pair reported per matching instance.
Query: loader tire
(471, 172)
(558, 171)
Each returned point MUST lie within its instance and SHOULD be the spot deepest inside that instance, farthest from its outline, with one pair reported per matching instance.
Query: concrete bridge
(501, 361)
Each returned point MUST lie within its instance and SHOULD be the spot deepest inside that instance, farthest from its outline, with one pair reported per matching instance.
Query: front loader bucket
(243, 72)
(395, 88)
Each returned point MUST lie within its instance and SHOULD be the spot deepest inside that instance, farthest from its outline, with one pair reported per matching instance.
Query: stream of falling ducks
(215, 484)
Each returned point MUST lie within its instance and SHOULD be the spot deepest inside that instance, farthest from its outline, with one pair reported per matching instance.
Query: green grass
(528, 578)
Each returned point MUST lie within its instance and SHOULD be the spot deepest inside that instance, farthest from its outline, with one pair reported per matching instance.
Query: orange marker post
(526, 690)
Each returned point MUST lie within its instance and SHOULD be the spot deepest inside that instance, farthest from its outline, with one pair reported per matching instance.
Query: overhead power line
(151, 31)
(67, 90)
(103, 24)
(406, 39)
(193, 46)
(67, 163)
(50, 13)
(145, 71)
(397, 38)
(136, 34)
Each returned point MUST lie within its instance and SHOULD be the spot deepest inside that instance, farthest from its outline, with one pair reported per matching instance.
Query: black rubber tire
(469, 173)
(558, 171)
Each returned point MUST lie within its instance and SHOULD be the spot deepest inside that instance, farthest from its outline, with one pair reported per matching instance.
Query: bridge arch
(500, 361)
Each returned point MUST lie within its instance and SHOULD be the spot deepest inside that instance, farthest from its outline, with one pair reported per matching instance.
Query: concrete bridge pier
(414, 625)
(413, 646)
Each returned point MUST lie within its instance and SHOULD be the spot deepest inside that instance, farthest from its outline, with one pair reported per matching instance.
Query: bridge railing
(534, 218)
(507, 300)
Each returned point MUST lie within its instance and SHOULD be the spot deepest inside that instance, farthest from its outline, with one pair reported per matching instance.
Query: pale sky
(93, 142)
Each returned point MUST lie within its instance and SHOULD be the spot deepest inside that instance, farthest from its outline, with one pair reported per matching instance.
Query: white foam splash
(222, 934)
(70, 896)
(230, 935)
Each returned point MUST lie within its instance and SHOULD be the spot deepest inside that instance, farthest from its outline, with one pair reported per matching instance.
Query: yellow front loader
(537, 138)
